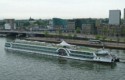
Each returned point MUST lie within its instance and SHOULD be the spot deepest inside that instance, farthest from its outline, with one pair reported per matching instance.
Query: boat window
(35, 48)
(85, 53)
(82, 56)
(102, 55)
(62, 52)
(7, 45)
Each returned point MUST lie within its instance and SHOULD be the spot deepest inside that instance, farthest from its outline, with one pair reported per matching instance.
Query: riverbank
(111, 45)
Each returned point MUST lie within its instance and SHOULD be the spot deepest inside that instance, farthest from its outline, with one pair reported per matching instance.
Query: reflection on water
(63, 61)
(92, 65)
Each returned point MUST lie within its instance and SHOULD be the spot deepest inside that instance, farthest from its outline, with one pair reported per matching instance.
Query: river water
(22, 66)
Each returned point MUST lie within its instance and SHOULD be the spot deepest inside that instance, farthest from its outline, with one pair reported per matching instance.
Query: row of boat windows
(81, 56)
(85, 53)
(50, 50)
(34, 48)
(7, 45)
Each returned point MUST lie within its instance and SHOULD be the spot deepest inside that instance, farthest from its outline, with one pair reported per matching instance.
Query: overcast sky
(23, 9)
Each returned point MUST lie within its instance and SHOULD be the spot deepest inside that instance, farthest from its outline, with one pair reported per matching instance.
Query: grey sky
(21, 9)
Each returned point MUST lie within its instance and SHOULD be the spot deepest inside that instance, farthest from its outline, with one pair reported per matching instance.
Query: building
(89, 29)
(59, 24)
(124, 14)
(78, 23)
(86, 28)
(123, 21)
(122, 30)
(2, 24)
(10, 24)
(114, 17)
(70, 26)
(110, 30)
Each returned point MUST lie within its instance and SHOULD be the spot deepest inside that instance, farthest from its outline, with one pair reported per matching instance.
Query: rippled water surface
(22, 66)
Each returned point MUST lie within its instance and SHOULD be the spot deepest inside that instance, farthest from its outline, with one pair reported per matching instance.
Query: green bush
(60, 33)
(46, 33)
(124, 39)
(97, 37)
(104, 37)
(78, 30)
(110, 39)
(75, 35)
(69, 35)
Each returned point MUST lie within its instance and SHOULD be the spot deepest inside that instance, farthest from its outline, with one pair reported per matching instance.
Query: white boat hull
(97, 59)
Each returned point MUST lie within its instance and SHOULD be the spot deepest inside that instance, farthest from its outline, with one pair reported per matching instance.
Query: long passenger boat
(63, 49)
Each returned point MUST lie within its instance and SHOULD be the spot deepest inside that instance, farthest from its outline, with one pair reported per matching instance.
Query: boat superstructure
(61, 50)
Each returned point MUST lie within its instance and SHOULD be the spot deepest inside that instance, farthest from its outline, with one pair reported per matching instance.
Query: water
(21, 66)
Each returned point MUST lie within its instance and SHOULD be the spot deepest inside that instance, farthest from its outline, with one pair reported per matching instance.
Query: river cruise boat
(63, 49)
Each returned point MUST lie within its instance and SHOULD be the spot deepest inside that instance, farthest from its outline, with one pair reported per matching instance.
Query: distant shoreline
(111, 45)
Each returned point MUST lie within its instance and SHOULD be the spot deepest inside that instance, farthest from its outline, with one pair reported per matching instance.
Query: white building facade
(7, 26)
(114, 17)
